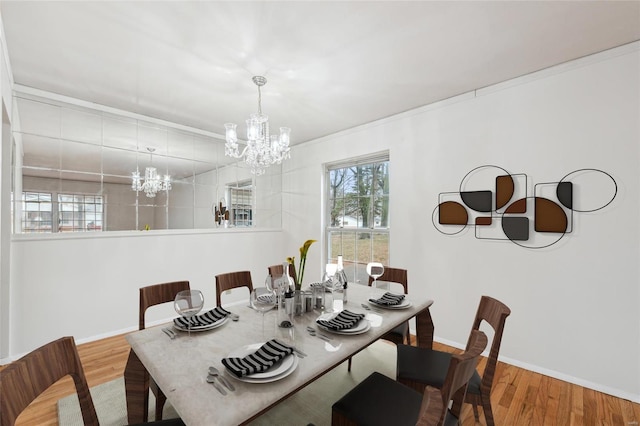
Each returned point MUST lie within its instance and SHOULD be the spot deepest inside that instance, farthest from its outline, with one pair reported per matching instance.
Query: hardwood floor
(519, 397)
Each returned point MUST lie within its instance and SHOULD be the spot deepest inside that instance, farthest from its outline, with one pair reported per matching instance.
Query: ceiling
(330, 65)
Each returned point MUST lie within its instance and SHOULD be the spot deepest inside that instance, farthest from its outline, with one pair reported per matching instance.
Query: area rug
(311, 404)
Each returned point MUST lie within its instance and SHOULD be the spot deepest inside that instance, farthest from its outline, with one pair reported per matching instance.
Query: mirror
(85, 169)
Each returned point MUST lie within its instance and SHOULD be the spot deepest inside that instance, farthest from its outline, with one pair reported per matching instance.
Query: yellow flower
(303, 260)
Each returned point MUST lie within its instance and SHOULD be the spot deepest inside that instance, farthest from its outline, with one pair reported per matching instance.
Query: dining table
(180, 365)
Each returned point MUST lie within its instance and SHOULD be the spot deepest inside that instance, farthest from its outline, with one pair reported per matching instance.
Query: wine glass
(269, 283)
(188, 303)
(329, 279)
(375, 271)
(263, 300)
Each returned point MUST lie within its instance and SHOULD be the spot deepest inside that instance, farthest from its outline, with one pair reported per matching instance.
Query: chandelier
(262, 149)
(152, 182)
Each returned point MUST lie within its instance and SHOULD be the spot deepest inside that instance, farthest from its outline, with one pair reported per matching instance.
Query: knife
(227, 383)
(169, 333)
(212, 379)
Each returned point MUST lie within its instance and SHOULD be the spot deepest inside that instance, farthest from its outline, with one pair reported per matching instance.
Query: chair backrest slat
(25, 379)
(231, 280)
(157, 294)
(461, 369)
(495, 313)
(276, 271)
(394, 275)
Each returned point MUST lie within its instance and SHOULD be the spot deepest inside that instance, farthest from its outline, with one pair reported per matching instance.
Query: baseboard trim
(618, 393)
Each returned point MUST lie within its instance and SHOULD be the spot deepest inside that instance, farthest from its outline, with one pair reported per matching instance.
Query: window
(79, 213)
(357, 220)
(241, 208)
(71, 212)
(36, 212)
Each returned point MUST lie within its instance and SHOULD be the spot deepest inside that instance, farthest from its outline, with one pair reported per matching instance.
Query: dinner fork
(312, 331)
(369, 308)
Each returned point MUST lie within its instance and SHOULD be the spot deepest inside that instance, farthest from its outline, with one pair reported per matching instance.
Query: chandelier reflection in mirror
(262, 149)
(152, 182)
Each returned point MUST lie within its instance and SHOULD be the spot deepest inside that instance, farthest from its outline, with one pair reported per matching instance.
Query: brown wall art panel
(500, 206)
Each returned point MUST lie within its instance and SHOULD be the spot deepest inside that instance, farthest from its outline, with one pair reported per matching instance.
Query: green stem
(301, 272)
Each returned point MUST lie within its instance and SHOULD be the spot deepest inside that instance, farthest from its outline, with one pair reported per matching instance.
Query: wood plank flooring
(519, 397)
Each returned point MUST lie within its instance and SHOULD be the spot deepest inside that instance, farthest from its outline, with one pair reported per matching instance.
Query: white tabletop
(180, 366)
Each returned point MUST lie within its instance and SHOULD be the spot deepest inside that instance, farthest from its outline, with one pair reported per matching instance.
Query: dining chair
(24, 380)
(276, 271)
(155, 295)
(231, 280)
(419, 367)
(380, 400)
(400, 334)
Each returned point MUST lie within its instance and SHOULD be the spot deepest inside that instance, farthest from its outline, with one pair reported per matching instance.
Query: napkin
(389, 299)
(266, 298)
(261, 360)
(208, 318)
(343, 321)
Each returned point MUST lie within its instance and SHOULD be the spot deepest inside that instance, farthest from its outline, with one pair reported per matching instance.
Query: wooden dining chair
(231, 280)
(155, 295)
(431, 408)
(24, 380)
(276, 271)
(400, 334)
(419, 367)
(380, 400)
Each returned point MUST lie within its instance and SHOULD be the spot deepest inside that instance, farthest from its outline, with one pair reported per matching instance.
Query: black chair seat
(411, 362)
(379, 400)
(423, 365)
(474, 384)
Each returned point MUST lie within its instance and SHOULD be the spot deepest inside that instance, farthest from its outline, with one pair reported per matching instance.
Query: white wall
(6, 108)
(87, 285)
(574, 305)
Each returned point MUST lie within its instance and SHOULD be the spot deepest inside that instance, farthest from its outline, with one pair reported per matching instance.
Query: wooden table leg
(424, 329)
(136, 386)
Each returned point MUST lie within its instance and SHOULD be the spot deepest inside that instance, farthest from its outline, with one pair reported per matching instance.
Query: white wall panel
(574, 304)
(87, 287)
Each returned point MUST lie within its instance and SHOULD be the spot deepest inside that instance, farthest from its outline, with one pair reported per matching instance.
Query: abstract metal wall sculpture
(500, 206)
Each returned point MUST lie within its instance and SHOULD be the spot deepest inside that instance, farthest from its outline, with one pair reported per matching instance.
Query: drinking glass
(375, 271)
(269, 283)
(330, 271)
(188, 303)
(263, 300)
(329, 279)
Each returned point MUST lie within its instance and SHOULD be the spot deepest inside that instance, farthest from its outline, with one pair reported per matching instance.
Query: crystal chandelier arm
(262, 149)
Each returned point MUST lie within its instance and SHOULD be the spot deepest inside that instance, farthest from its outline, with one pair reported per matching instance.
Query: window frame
(57, 213)
(355, 267)
(234, 208)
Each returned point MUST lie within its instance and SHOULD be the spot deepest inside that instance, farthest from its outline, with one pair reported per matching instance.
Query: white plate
(202, 327)
(361, 327)
(249, 379)
(402, 305)
(280, 370)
